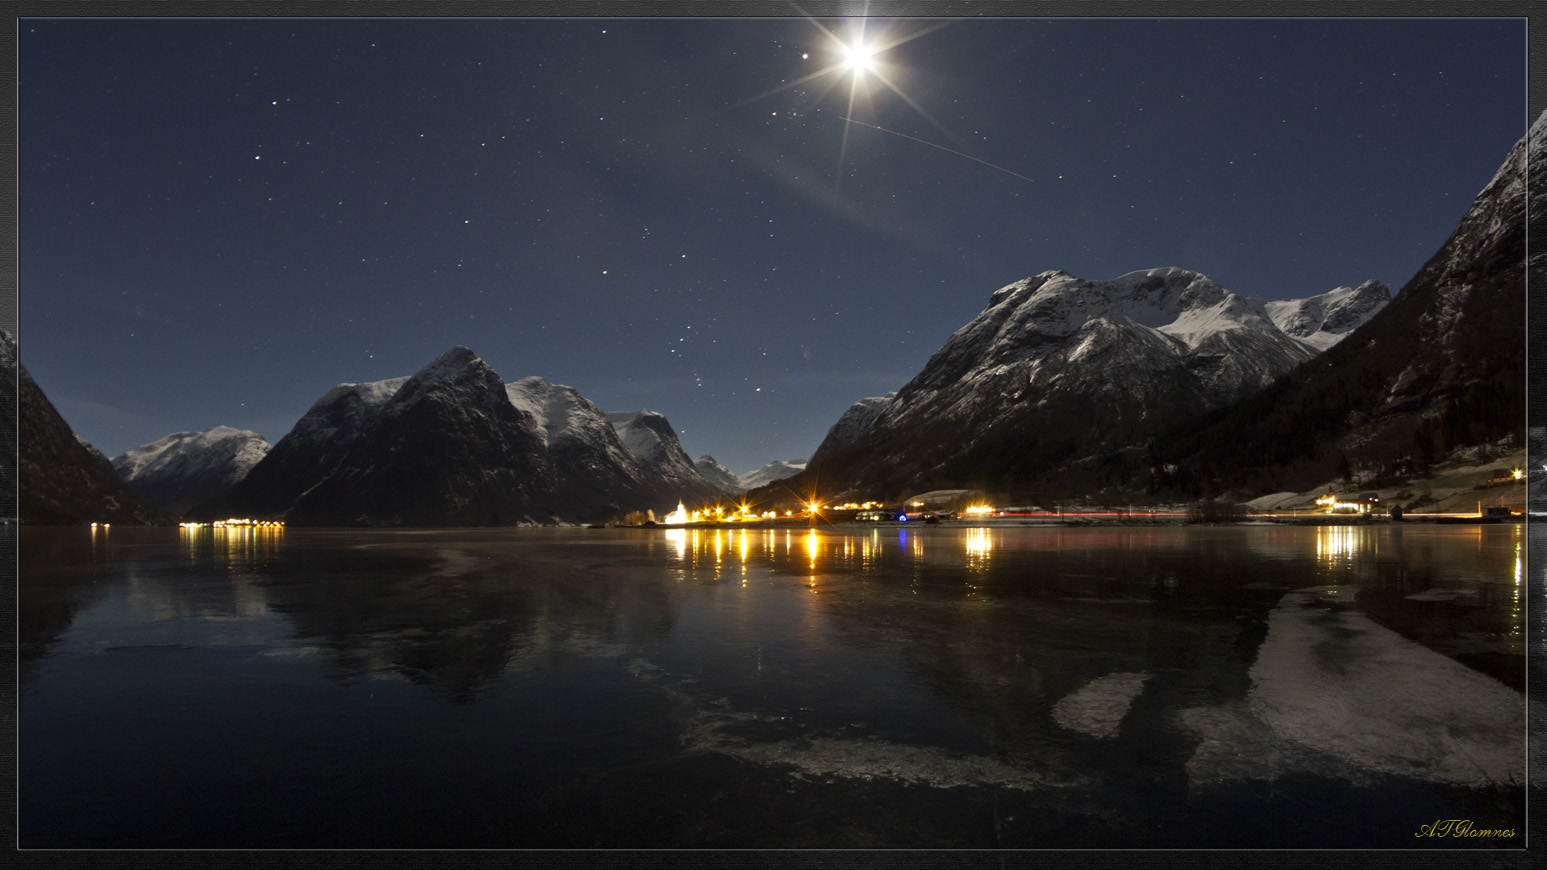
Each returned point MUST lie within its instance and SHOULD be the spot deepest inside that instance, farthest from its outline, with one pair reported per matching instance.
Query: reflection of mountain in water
(55, 583)
(454, 617)
(457, 618)
(61, 574)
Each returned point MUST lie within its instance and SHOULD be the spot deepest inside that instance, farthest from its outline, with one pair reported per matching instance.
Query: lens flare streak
(941, 147)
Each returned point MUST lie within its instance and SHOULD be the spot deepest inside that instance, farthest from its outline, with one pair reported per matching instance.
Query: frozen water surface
(850, 687)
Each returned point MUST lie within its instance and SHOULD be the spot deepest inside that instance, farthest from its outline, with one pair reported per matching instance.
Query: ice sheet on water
(1332, 688)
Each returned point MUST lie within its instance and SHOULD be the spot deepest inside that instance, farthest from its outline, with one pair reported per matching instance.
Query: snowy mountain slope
(569, 423)
(1322, 321)
(589, 451)
(187, 468)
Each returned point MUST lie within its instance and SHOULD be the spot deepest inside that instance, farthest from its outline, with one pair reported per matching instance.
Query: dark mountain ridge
(60, 480)
(1440, 368)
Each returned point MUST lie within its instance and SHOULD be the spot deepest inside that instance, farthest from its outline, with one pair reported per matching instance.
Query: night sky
(221, 219)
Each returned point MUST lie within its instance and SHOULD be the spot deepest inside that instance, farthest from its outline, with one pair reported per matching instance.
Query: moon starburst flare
(859, 58)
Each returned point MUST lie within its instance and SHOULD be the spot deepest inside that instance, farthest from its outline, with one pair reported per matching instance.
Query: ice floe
(1098, 707)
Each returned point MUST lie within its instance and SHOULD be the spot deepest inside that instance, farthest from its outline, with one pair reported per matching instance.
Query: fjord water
(840, 687)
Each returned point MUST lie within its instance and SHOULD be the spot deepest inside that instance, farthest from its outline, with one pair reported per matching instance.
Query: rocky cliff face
(188, 468)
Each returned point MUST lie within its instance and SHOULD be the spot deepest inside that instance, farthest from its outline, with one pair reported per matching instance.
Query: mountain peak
(458, 370)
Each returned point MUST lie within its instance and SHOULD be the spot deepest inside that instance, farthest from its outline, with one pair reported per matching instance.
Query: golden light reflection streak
(1336, 543)
(1515, 615)
(979, 544)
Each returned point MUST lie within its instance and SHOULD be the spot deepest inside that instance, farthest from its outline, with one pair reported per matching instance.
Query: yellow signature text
(1461, 828)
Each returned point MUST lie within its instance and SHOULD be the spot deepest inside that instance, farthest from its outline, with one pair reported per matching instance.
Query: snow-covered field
(1448, 490)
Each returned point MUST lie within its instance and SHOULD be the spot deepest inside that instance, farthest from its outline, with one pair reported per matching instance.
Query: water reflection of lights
(979, 544)
(236, 546)
(1338, 543)
(1515, 610)
(679, 539)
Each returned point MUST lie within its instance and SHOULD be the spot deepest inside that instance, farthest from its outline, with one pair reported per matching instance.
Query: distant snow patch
(1099, 706)
(1274, 500)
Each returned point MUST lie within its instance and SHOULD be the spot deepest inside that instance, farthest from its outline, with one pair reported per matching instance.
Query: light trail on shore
(941, 147)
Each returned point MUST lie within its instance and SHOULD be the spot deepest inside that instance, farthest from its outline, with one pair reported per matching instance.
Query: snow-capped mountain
(855, 422)
(1441, 367)
(717, 475)
(59, 478)
(188, 468)
(1057, 368)
(648, 436)
(735, 484)
(454, 445)
(779, 469)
